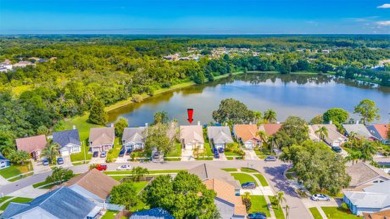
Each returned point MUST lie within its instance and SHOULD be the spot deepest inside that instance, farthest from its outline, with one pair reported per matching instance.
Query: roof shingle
(31, 144)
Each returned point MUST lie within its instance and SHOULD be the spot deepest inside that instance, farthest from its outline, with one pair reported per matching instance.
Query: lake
(300, 95)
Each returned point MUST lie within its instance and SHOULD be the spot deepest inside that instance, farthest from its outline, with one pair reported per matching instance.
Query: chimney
(146, 124)
(112, 125)
(199, 123)
(74, 127)
(357, 122)
(331, 122)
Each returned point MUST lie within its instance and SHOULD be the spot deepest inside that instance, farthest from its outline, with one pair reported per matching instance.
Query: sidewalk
(3, 181)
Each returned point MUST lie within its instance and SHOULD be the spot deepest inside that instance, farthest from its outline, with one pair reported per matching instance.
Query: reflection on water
(300, 95)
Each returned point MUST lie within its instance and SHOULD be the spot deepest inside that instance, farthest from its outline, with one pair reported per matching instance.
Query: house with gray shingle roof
(363, 175)
(219, 136)
(334, 138)
(101, 139)
(191, 137)
(4, 162)
(68, 140)
(62, 203)
(134, 138)
(359, 129)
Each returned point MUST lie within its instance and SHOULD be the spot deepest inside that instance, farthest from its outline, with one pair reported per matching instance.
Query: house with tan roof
(270, 129)
(363, 175)
(134, 138)
(219, 136)
(379, 131)
(191, 137)
(334, 138)
(228, 203)
(32, 145)
(247, 135)
(378, 215)
(101, 139)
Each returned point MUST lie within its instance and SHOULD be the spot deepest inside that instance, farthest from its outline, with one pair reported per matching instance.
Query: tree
(279, 198)
(336, 115)
(367, 110)
(317, 120)
(51, 151)
(270, 116)
(185, 196)
(161, 117)
(60, 175)
(19, 157)
(42, 130)
(322, 132)
(293, 131)
(120, 125)
(257, 116)
(234, 111)
(246, 200)
(7, 145)
(97, 115)
(139, 172)
(124, 194)
(158, 138)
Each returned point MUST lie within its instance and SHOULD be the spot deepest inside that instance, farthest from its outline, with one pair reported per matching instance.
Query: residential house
(228, 203)
(62, 203)
(134, 138)
(154, 213)
(378, 215)
(4, 162)
(247, 135)
(379, 131)
(93, 185)
(363, 175)
(22, 64)
(270, 129)
(312, 134)
(32, 145)
(372, 199)
(191, 137)
(68, 140)
(219, 136)
(101, 139)
(359, 129)
(334, 138)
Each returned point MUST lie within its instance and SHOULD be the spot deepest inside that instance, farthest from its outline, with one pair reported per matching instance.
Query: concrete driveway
(38, 167)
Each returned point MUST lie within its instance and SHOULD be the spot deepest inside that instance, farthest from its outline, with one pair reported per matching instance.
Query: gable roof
(368, 199)
(134, 134)
(379, 188)
(67, 137)
(360, 130)
(95, 182)
(219, 134)
(379, 131)
(226, 192)
(154, 213)
(377, 215)
(362, 172)
(246, 132)
(191, 134)
(31, 144)
(333, 134)
(61, 203)
(206, 172)
(270, 129)
(2, 157)
(101, 136)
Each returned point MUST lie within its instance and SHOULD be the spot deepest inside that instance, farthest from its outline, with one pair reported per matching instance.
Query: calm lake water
(303, 96)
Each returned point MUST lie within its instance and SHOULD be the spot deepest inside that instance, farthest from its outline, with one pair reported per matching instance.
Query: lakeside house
(379, 131)
(68, 140)
(4, 162)
(134, 138)
(270, 129)
(334, 138)
(32, 145)
(219, 136)
(363, 175)
(191, 137)
(359, 129)
(154, 213)
(312, 134)
(101, 139)
(247, 135)
(62, 203)
(377, 215)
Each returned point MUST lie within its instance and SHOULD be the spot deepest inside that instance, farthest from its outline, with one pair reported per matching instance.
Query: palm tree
(287, 210)
(51, 151)
(354, 156)
(270, 116)
(322, 132)
(19, 157)
(368, 149)
(263, 137)
(280, 198)
(257, 117)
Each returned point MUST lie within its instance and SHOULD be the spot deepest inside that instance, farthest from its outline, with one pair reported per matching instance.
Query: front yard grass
(176, 152)
(230, 169)
(259, 205)
(248, 170)
(139, 186)
(3, 199)
(277, 208)
(243, 178)
(17, 200)
(339, 212)
(207, 148)
(262, 179)
(15, 170)
(316, 214)
(262, 153)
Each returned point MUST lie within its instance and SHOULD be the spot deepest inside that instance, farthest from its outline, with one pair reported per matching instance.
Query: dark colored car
(122, 152)
(216, 154)
(270, 158)
(103, 154)
(128, 151)
(257, 215)
(60, 161)
(221, 150)
(45, 162)
(95, 154)
(248, 185)
(336, 149)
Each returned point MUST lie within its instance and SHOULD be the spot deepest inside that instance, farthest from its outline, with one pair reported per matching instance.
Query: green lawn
(140, 185)
(230, 169)
(150, 172)
(316, 214)
(339, 212)
(15, 170)
(3, 199)
(262, 153)
(259, 204)
(262, 179)
(176, 152)
(243, 178)
(17, 200)
(231, 153)
(277, 209)
(207, 149)
(248, 170)
(109, 214)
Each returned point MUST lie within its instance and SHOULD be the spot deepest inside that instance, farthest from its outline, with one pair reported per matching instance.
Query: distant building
(334, 138)
(134, 138)
(68, 140)
(191, 137)
(247, 135)
(359, 129)
(32, 145)
(379, 131)
(270, 129)
(154, 213)
(101, 139)
(363, 175)
(219, 136)
(22, 64)
(4, 162)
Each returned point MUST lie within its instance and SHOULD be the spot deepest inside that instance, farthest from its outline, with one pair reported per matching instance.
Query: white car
(320, 197)
(124, 167)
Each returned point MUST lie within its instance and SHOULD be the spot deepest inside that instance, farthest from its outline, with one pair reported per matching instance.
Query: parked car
(320, 197)
(124, 167)
(248, 185)
(101, 167)
(128, 151)
(95, 154)
(221, 150)
(122, 152)
(45, 162)
(60, 161)
(103, 154)
(216, 154)
(270, 158)
(336, 149)
(156, 155)
(257, 215)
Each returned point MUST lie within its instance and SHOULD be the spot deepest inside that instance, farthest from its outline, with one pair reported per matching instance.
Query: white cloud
(384, 6)
(383, 23)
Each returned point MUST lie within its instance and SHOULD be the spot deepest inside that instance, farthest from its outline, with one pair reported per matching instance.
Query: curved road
(273, 171)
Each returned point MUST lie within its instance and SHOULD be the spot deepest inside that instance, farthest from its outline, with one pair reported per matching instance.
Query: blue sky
(195, 16)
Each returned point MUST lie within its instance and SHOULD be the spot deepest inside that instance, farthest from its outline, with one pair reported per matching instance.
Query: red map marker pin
(190, 113)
